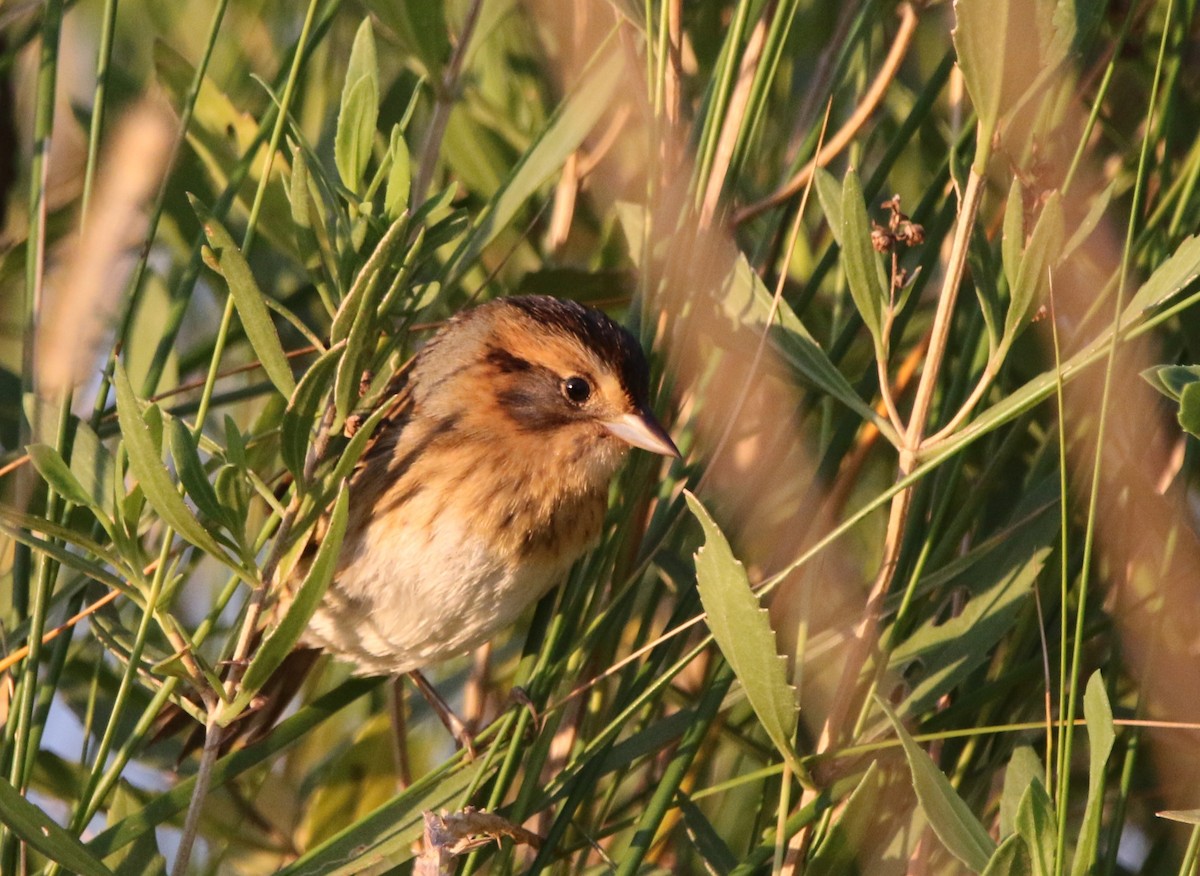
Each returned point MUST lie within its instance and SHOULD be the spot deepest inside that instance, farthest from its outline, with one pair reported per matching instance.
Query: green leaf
(980, 39)
(356, 132)
(564, 132)
(248, 298)
(953, 822)
(1085, 228)
(864, 272)
(1189, 409)
(1172, 380)
(362, 305)
(829, 193)
(1010, 859)
(1032, 277)
(301, 413)
(141, 856)
(420, 26)
(1013, 242)
(55, 472)
(399, 181)
(742, 631)
(848, 835)
(192, 474)
(385, 837)
(1023, 770)
(44, 834)
(1035, 823)
(717, 856)
(146, 462)
(283, 638)
(1168, 279)
(359, 110)
(1097, 712)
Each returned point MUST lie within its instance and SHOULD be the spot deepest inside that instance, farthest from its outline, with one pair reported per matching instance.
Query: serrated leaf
(1013, 242)
(1097, 713)
(1189, 409)
(152, 475)
(1032, 277)
(829, 193)
(864, 272)
(1168, 279)
(399, 181)
(951, 819)
(248, 298)
(301, 412)
(356, 132)
(283, 638)
(1010, 859)
(1035, 823)
(742, 631)
(43, 833)
(981, 42)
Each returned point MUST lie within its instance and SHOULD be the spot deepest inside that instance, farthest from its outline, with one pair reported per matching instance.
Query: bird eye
(576, 389)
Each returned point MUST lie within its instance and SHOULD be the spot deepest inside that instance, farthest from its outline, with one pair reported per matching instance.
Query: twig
(191, 824)
(443, 104)
(864, 632)
(845, 134)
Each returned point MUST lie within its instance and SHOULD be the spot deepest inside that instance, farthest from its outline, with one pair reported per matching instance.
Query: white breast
(406, 597)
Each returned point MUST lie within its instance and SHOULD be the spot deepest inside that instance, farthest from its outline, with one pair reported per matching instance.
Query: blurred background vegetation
(933, 398)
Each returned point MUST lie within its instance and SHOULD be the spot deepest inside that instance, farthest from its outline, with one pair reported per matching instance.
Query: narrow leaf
(43, 833)
(248, 298)
(1023, 770)
(283, 638)
(564, 132)
(953, 822)
(1036, 824)
(399, 181)
(829, 193)
(1168, 279)
(191, 472)
(1097, 712)
(740, 626)
(356, 132)
(301, 412)
(152, 475)
(1183, 816)
(980, 39)
(1032, 277)
(868, 286)
(849, 834)
(1013, 242)
(1010, 859)
(1089, 222)
(55, 472)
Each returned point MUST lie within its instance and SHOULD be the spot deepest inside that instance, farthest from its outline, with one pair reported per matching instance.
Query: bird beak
(642, 430)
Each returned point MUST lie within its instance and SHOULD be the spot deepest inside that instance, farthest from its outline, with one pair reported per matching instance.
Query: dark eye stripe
(505, 362)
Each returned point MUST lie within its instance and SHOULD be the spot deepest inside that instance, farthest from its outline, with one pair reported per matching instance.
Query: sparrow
(487, 484)
(484, 485)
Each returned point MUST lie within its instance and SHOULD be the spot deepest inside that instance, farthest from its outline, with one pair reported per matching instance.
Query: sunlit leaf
(1097, 713)
(864, 271)
(248, 298)
(742, 631)
(953, 822)
(981, 38)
